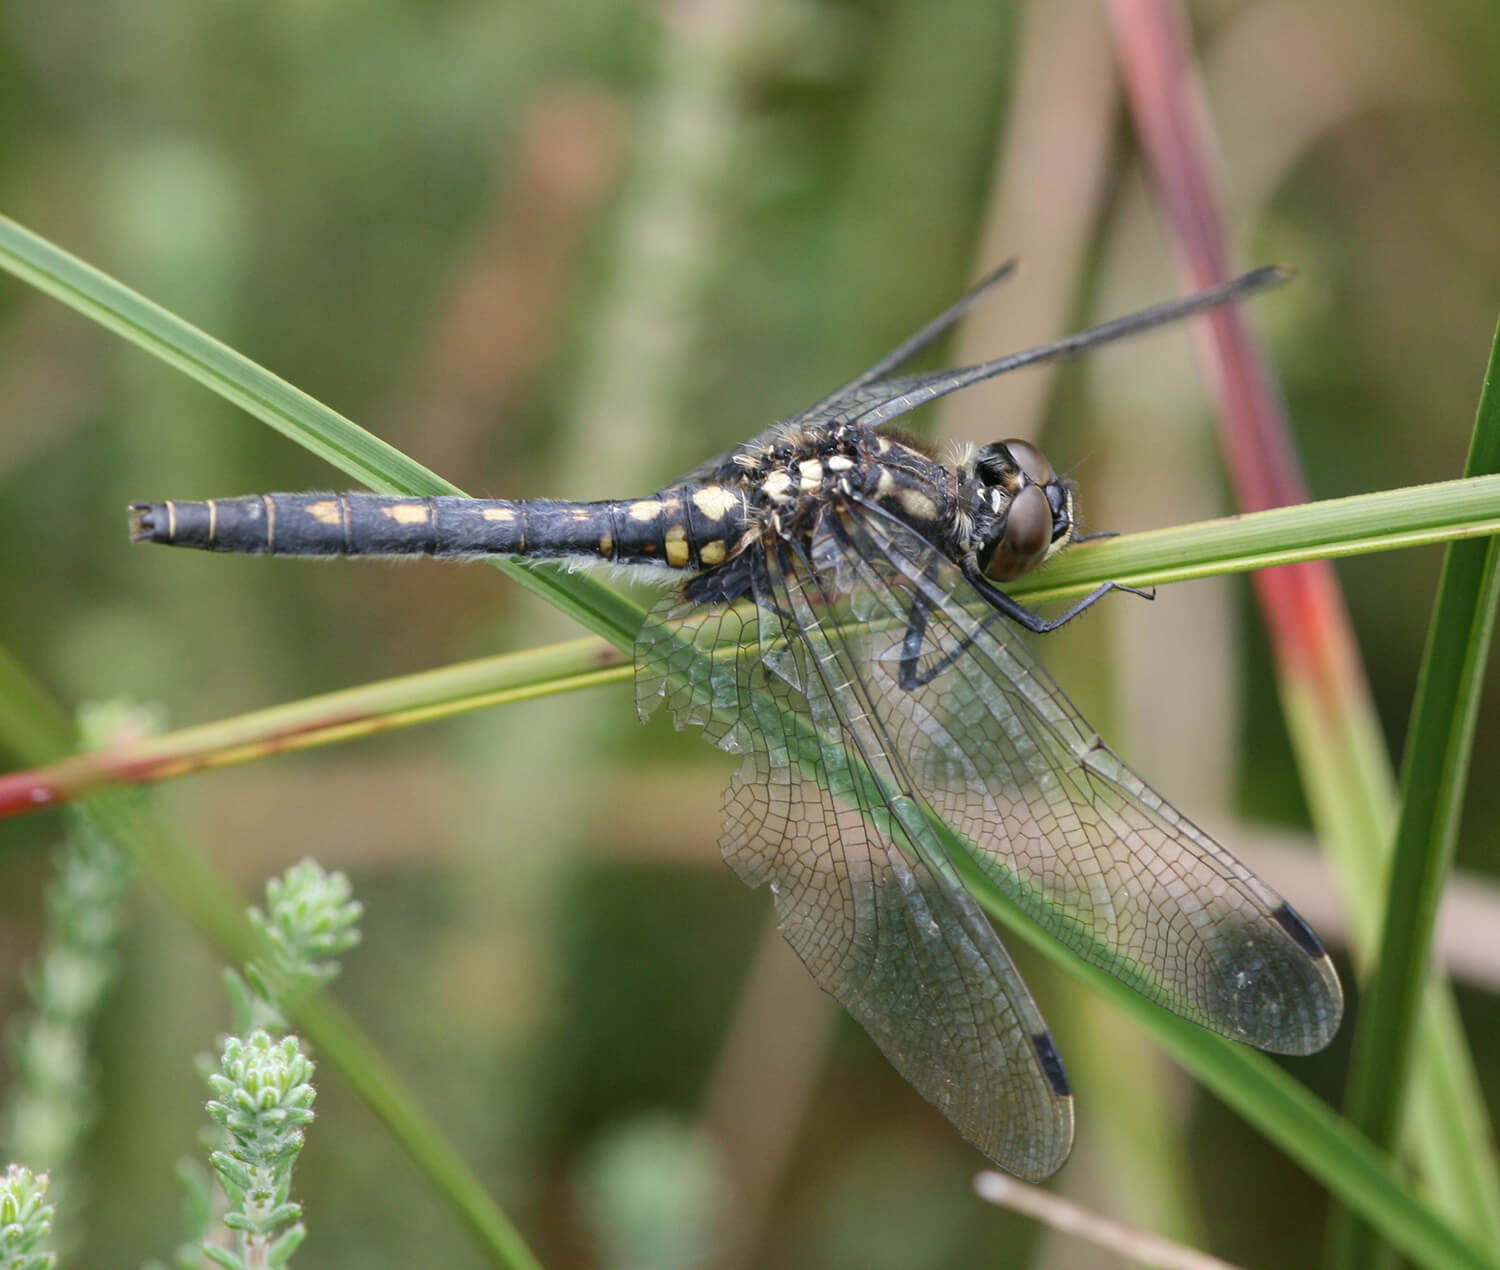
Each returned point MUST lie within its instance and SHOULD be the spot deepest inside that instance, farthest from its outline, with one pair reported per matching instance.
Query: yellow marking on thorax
(675, 541)
(504, 515)
(778, 486)
(885, 484)
(646, 510)
(326, 512)
(407, 513)
(839, 463)
(917, 505)
(812, 473)
(714, 501)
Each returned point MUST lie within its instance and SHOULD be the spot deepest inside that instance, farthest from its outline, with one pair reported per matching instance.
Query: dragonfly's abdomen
(682, 528)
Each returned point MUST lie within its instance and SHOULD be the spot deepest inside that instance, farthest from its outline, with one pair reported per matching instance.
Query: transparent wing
(876, 397)
(820, 814)
(848, 400)
(873, 399)
(1053, 817)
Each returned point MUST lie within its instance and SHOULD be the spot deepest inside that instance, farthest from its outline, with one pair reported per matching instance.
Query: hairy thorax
(809, 471)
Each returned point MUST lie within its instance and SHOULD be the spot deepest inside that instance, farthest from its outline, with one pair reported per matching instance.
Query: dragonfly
(835, 618)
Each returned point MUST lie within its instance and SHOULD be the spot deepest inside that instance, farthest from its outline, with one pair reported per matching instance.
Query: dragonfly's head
(1023, 510)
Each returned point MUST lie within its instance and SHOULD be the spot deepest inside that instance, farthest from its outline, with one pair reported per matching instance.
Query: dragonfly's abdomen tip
(143, 521)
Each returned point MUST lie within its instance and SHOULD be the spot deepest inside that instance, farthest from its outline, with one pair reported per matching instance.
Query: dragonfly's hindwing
(862, 893)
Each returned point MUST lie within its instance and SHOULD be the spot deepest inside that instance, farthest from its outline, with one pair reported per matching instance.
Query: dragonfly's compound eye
(1031, 461)
(1012, 464)
(1024, 538)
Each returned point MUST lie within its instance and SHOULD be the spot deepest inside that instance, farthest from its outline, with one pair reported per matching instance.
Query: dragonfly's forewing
(867, 388)
(863, 892)
(875, 396)
(1077, 840)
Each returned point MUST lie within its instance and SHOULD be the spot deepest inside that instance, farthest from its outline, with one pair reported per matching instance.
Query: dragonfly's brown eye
(1031, 461)
(1024, 540)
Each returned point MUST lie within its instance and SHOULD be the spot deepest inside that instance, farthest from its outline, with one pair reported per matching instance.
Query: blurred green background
(570, 250)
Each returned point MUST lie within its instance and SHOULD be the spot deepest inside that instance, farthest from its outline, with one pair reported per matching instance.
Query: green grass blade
(1307, 1129)
(1261, 1091)
(1359, 524)
(358, 454)
(1426, 514)
(1434, 780)
(326, 719)
(31, 725)
(199, 891)
(1277, 537)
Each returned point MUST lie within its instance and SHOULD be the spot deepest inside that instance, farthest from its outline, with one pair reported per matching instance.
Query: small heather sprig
(263, 1097)
(309, 921)
(24, 1220)
(262, 1089)
(52, 1105)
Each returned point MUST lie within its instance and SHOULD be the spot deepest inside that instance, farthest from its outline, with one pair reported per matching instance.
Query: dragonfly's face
(1024, 510)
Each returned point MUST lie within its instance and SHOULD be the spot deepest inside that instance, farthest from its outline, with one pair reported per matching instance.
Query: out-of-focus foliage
(464, 224)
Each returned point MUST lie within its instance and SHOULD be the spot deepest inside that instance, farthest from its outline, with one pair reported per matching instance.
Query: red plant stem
(1303, 606)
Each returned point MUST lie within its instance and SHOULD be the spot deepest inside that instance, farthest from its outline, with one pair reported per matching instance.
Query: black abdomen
(682, 528)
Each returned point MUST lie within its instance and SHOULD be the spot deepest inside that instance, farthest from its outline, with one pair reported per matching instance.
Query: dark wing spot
(1052, 1064)
(1287, 918)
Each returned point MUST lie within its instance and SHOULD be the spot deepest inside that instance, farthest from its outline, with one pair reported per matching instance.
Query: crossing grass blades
(839, 626)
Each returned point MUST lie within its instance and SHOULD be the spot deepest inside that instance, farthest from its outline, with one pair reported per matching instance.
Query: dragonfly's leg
(910, 678)
(911, 649)
(1035, 622)
(911, 645)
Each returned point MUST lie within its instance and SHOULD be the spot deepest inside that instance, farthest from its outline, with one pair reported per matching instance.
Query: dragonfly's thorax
(811, 472)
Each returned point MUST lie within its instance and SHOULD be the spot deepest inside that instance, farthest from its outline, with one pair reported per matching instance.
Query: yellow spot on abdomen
(712, 552)
(714, 502)
(502, 514)
(407, 513)
(677, 548)
(648, 509)
(325, 512)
